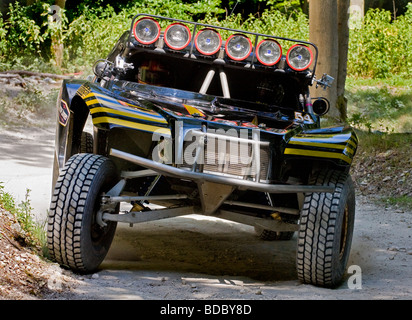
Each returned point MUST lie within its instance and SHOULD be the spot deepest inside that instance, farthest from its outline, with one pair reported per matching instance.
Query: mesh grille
(226, 157)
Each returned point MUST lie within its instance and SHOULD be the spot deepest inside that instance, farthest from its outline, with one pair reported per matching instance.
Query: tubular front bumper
(199, 177)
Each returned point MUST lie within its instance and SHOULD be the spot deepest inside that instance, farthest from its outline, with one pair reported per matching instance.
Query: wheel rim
(97, 232)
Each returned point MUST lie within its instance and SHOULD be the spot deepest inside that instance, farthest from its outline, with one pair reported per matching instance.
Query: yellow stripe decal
(96, 96)
(193, 110)
(115, 101)
(352, 143)
(127, 114)
(323, 145)
(133, 125)
(318, 154)
(121, 105)
(139, 113)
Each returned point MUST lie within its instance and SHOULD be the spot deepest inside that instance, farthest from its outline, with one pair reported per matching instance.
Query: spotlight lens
(269, 52)
(238, 47)
(146, 30)
(299, 57)
(177, 36)
(208, 41)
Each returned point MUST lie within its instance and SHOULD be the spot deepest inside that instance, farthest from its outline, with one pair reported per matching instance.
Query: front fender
(337, 145)
(71, 118)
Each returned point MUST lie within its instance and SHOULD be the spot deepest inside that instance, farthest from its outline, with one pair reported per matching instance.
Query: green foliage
(92, 35)
(24, 34)
(276, 23)
(403, 201)
(3, 40)
(378, 106)
(285, 6)
(381, 47)
(32, 232)
(378, 48)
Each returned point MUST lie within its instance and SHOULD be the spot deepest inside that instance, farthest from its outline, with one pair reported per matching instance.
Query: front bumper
(200, 177)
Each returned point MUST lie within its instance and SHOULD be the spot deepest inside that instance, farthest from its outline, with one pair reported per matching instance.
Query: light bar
(268, 52)
(177, 36)
(238, 47)
(208, 41)
(299, 57)
(146, 30)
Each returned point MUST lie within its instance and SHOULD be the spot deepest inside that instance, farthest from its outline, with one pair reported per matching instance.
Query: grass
(380, 105)
(381, 113)
(32, 232)
(382, 142)
(401, 201)
(380, 110)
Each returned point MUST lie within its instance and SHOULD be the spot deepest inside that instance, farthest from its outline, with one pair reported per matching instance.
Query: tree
(329, 30)
(57, 41)
(343, 46)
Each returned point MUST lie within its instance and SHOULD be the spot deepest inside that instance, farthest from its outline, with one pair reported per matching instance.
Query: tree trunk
(60, 3)
(57, 42)
(323, 32)
(304, 5)
(343, 45)
(329, 30)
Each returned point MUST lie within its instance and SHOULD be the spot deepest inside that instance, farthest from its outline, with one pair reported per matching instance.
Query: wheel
(86, 146)
(86, 143)
(74, 238)
(326, 230)
(269, 235)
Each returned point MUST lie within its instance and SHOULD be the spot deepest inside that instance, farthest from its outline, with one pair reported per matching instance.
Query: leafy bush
(25, 35)
(379, 48)
(32, 232)
(3, 40)
(92, 35)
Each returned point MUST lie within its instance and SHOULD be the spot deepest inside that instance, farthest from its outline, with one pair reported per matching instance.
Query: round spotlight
(146, 30)
(177, 36)
(238, 47)
(268, 52)
(299, 57)
(208, 41)
(321, 106)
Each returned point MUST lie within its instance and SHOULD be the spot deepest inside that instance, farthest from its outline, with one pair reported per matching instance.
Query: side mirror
(325, 82)
(102, 68)
(321, 106)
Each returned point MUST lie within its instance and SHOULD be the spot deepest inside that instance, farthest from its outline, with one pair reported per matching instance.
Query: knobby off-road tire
(326, 230)
(74, 238)
(86, 146)
(86, 142)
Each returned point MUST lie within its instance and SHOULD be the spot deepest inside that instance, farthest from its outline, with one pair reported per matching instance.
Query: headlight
(238, 47)
(208, 41)
(299, 57)
(268, 52)
(146, 30)
(321, 106)
(177, 36)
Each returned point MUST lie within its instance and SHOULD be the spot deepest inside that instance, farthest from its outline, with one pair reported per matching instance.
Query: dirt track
(197, 257)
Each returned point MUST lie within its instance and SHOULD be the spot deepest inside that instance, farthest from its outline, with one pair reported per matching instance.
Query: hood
(191, 106)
